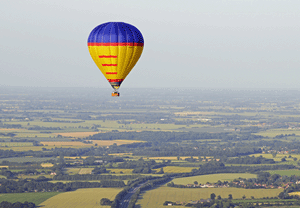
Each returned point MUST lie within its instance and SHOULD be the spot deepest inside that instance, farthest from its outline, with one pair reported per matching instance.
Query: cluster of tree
(5, 204)
(39, 128)
(250, 160)
(10, 126)
(105, 201)
(8, 134)
(78, 177)
(99, 170)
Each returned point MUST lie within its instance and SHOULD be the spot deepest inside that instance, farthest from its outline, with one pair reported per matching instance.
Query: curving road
(126, 199)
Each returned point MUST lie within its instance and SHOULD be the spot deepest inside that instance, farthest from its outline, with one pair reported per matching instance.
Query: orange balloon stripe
(115, 44)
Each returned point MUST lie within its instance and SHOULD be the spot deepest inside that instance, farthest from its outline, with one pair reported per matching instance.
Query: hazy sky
(191, 43)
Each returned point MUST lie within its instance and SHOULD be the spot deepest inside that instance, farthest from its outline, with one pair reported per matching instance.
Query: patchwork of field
(36, 198)
(176, 169)
(87, 198)
(212, 178)
(163, 194)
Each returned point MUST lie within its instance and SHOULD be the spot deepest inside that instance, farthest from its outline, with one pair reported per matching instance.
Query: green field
(163, 194)
(285, 172)
(87, 198)
(212, 178)
(36, 198)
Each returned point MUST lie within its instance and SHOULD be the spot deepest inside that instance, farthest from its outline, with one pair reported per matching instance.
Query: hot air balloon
(115, 47)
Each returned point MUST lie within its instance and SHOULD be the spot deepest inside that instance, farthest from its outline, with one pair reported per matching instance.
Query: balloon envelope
(115, 48)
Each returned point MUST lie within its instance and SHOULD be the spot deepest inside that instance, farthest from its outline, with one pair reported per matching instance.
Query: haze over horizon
(232, 44)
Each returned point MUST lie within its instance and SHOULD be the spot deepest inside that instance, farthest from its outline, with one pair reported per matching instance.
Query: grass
(86, 170)
(285, 172)
(36, 198)
(87, 198)
(212, 178)
(176, 169)
(163, 194)
(72, 171)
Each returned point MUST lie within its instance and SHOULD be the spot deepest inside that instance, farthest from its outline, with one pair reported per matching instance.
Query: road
(126, 199)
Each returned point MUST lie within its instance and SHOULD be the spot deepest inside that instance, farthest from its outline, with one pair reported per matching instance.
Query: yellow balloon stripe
(115, 62)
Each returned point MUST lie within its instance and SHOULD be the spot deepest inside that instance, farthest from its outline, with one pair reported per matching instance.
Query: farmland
(79, 137)
(88, 198)
(163, 194)
(202, 179)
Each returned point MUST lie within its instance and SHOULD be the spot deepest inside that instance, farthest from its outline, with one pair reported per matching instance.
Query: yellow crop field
(86, 170)
(163, 194)
(212, 178)
(47, 165)
(87, 198)
(77, 134)
(176, 169)
(294, 193)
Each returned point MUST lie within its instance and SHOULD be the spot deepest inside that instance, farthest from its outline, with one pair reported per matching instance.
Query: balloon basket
(115, 94)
